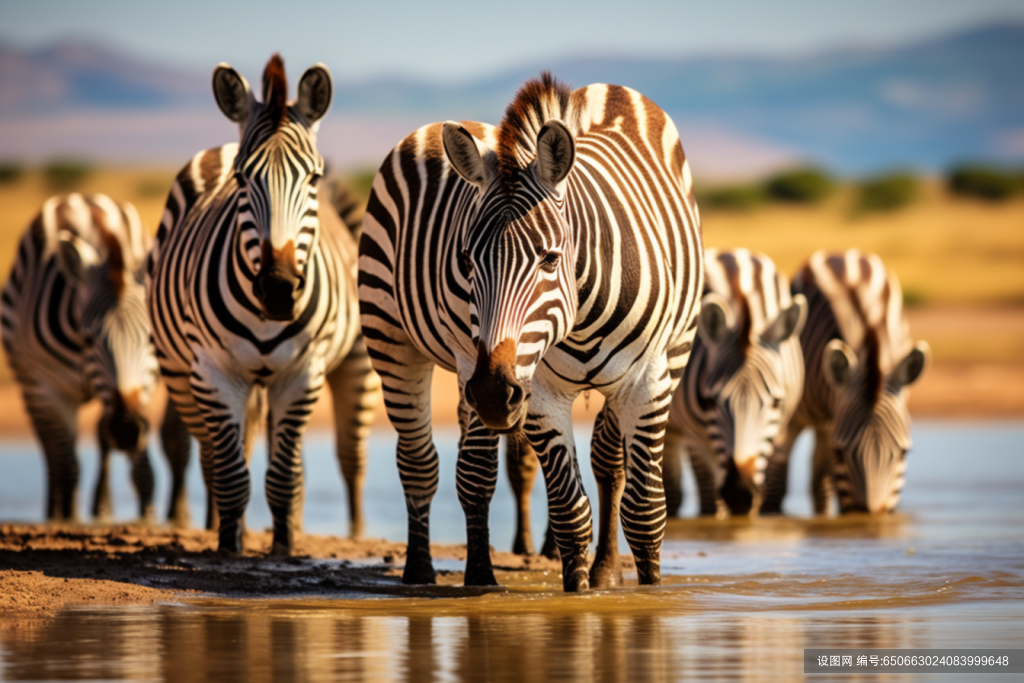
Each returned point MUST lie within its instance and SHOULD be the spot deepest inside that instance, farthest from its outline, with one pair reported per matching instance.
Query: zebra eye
(465, 262)
(550, 261)
(239, 178)
(776, 402)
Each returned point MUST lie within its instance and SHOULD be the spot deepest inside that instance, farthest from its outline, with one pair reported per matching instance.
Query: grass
(945, 250)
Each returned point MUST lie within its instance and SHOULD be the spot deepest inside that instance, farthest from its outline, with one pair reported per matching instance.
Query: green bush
(802, 186)
(11, 171)
(887, 192)
(913, 298)
(733, 197)
(66, 174)
(982, 181)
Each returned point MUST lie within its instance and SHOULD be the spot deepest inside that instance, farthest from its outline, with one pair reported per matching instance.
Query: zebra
(74, 326)
(557, 252)
(743, 382)
(252, 291)
(859, 360)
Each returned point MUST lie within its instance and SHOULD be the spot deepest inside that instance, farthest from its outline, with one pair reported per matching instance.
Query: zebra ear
(75, 256)
(790, 322)
(556, 152)
(232, 93)
(838, 363)
(912, 366)
(465, 153)
(716, 319)
(316, 88)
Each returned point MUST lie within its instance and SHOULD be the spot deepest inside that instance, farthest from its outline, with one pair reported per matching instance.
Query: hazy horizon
(413, 41)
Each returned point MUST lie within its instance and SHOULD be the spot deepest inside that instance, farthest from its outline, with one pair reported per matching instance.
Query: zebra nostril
(515, 395)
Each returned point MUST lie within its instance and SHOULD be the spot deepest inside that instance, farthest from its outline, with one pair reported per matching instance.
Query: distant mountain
(922, 105)
(77, 74)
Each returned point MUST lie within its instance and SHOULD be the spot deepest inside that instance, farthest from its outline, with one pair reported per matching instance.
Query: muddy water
(740, 600)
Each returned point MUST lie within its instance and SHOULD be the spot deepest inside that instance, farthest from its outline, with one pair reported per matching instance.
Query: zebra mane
(537, 102)
(872, 367)
(275, 91)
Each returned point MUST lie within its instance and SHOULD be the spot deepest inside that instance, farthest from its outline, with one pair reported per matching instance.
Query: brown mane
(275, 90)
(538, 101)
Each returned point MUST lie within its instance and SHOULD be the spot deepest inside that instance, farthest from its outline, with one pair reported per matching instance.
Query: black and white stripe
(859, 359)
(75, 327)
(555, 253)
(742, 385)
(253, 297)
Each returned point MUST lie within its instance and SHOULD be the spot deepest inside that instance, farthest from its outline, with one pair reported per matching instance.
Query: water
(740, 600)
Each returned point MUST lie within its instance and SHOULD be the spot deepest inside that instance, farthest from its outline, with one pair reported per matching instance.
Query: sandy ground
(43, 569)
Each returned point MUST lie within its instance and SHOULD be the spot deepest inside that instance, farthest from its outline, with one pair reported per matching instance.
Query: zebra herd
(556, 253)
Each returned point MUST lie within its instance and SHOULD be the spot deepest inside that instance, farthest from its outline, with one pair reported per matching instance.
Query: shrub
(63, 174)
(11, 171)
(913, 298)
(801, 186)
(735, 197)
(982, 181)
(887, 192)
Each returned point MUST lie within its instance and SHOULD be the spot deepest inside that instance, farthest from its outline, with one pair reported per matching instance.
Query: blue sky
(459, 41)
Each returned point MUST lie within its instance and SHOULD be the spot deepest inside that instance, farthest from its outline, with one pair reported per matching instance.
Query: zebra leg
(177, 448)
(776, 476)
(549, 429)
(606, 461)
(822, 480)
(407, 399)
(222, 401)
(643, 417)
(707, 474)
(355, 391)
(292, 401)
(102, 507)
(476, 474)
(142, 478)
(672, 467)
(55, 421)
(521, 466)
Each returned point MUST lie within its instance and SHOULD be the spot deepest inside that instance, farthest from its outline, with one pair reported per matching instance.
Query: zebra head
(516, 258)
(277, 169)
(119, 358)
(745, 380)
(871, 423)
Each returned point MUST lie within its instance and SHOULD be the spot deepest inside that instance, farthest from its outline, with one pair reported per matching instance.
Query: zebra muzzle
(493, 391)
(278, 291)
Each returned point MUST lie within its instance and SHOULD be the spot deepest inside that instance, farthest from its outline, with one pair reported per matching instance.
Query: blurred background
(893, 127)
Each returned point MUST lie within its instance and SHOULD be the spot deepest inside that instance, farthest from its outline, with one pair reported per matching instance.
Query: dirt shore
(43, 569)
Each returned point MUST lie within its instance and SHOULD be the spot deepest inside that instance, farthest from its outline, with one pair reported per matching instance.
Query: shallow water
(740, 599)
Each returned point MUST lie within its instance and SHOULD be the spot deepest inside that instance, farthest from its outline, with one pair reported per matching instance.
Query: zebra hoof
(281, 550)
(606, 574)
(419, 573)
(576, 581)
(481, 577)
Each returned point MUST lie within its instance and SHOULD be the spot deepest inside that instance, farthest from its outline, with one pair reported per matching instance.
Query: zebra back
(859, 359)
(745, 376)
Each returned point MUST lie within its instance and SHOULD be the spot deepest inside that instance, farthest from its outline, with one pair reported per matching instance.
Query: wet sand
(44, 569)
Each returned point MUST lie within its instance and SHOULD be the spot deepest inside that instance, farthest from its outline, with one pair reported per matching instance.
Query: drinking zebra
(742, 384)
(859, 360)
(253, 290)
(74, 325)
(557, 252)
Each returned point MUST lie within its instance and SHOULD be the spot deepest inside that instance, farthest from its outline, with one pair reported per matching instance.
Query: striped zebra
(74, 325)
(253, 296)
(557, 252)
(742, 384)
(859, 360)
